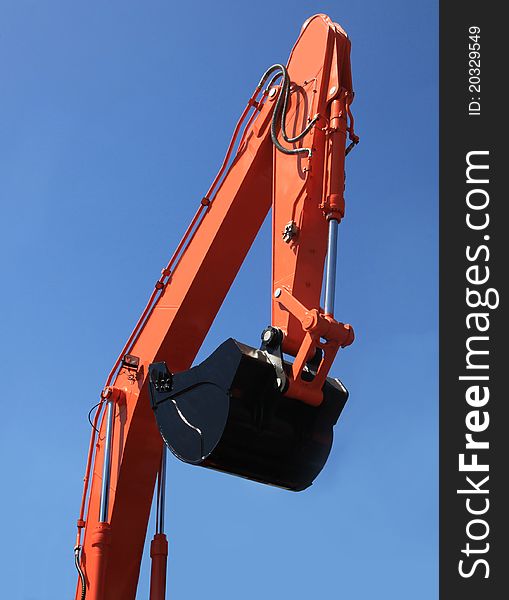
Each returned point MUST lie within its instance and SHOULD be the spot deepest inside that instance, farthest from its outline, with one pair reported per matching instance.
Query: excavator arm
(245, 411)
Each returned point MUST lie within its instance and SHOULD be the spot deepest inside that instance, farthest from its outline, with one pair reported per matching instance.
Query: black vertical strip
(474, 254)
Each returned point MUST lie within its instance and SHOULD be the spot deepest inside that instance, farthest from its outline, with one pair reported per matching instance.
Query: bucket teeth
(228, 414)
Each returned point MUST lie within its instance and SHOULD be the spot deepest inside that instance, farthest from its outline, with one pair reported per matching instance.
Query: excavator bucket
(228, 414)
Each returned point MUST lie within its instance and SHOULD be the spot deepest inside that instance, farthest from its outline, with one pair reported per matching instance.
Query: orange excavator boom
(246, 411)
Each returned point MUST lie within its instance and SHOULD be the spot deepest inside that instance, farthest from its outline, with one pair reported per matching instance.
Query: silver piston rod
(330, 268)
(161, 492)
(106, 473)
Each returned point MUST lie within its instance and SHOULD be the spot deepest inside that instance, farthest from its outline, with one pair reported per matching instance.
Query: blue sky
(115, 117)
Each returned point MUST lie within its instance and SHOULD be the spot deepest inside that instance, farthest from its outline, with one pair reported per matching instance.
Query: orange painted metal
(159, 556)
(320, 331)
(195, 282)
(100, 541)
(319, 67)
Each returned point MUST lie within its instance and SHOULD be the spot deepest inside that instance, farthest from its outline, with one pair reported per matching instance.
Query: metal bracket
(272, 338)
(322, 331)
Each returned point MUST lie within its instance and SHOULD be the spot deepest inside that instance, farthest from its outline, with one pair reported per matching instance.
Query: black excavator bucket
(228, 414)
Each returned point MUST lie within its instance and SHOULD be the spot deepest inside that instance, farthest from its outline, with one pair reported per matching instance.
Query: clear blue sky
(114, 119)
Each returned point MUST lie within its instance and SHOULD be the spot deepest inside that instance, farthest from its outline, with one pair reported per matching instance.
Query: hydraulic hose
(77, 552)
(280, 111)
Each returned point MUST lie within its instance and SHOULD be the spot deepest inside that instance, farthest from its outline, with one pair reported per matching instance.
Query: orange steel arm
(304, 192)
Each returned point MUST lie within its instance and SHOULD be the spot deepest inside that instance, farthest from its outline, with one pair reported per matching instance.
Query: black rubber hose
(280, 110)
(90, 414)
(77, 552)
(284, 110)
